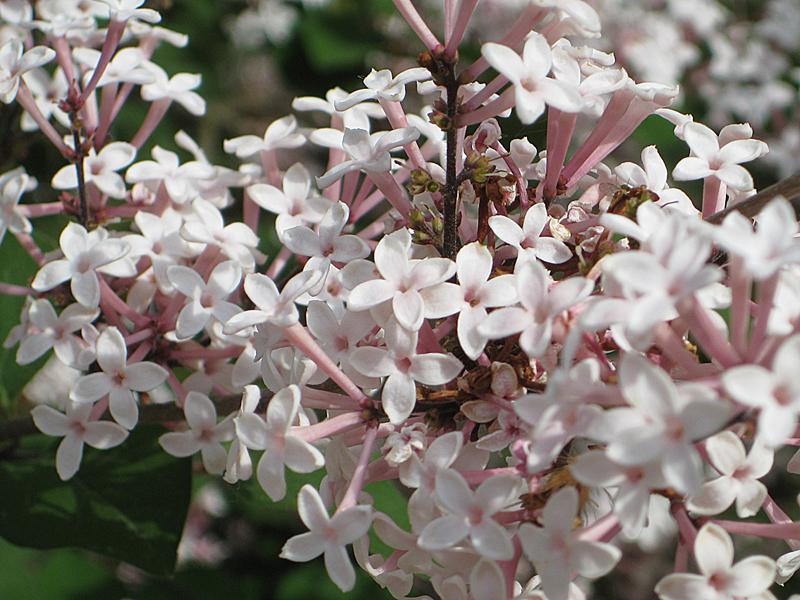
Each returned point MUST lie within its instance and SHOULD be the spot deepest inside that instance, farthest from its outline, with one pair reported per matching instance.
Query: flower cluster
(546, 348)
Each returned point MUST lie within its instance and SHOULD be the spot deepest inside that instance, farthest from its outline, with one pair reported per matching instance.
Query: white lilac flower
(15, 61)
(206, 300)
(55, 331)
(772, 245)
(632, 483)
(100, 170)
(775, 392)
(236, 240)
(122, 10)
(118, 380)
(469, 514)
(12, 185)
(711, 158)
(327, 244)
(272, 306)
(280, 134)
(239, 465)
(355, 117)
(719, 578)
(180, 180)
(739, 479)
(533, 89)
(402, 367)
(328, 536)
(178, 88)
(368, 152)
(129, 65)
(380, 85)
(85, 255)
(528, 239)
(662, 423)
(557, 552)
(296, 204)
(204, 434)
(654, 177)
(403, 280)
(274, 436)
(541, 304)
(474, 293)
(77, 429)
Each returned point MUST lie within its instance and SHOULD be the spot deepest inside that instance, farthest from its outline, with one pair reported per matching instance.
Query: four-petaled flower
(328, 535)
(77, 429)
(469, 513)
(403, 279)
(281, 447)
(204, 435)
(533, 89)
(118, 380)
(557, 552)
(85, 254)
(719, 578)
(402, 366)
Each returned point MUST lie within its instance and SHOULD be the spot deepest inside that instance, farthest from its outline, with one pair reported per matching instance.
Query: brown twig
(789, 188)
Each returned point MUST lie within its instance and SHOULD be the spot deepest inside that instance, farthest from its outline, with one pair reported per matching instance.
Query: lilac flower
(204, 434)
(533, 89)
(77, 429)
(328, 535)
(118, 380)
(14, 62)
(474, 293)
(85, 254)
(402, 366)
(403, 279)
(719, 578)
(557, 552)
(281, 448)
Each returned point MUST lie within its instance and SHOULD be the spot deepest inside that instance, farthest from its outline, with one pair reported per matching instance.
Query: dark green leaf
(129, 503)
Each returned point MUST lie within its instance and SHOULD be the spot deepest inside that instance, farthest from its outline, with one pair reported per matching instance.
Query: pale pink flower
(77, 430)
(85, 255)
(739, 480)
(541, 304)
(295, 204)
(711, 158)
(528, 239)
(367, 152)
(281, 133)
(533, 89)
(663, 422)
(328, 535)
(719, 578)
(15, 61)
(119, 380)
(55, 331)
(557, 552)
(402, 367)
(204, 434)
(403, 280)
(473, 294)
(775, 392)
(274, 436)
(380, 85)
(206, 300)
(100, 170)
(469, 514)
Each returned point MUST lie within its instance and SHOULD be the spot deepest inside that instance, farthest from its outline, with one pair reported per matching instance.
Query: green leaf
(128, 503)
(331, 44)
(55, 574)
